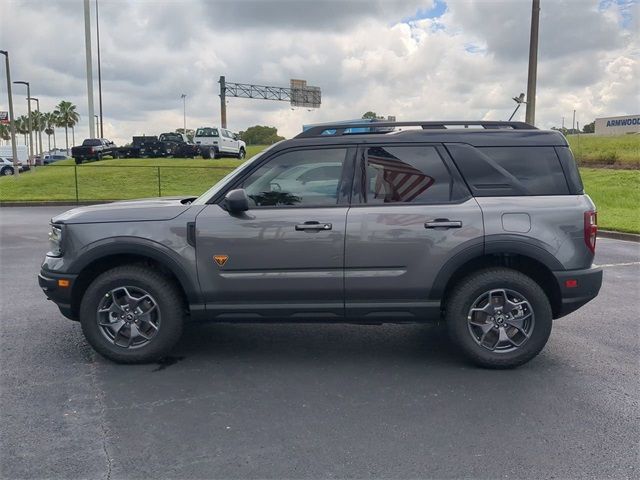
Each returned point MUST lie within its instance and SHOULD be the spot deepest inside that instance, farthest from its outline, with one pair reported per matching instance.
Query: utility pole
(223, 103)
(87, 46)
(184, 113)
(99, 71)
(97, 123)
(530, 116)
(31, 161)
(39, 139)
(12, 123)
(573, 124)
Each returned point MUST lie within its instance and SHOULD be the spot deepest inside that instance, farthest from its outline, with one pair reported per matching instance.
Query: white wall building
(618, 125)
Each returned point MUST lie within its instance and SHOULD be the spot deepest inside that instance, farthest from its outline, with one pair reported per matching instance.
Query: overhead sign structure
(299, 94)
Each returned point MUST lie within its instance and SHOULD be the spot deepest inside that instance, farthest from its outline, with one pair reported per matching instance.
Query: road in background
(313, 401)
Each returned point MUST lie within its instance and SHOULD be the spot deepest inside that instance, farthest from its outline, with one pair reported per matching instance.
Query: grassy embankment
(621, 151)
(616, 192)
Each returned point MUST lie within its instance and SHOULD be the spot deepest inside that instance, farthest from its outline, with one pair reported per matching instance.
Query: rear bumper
(61, 296)
(587, 285)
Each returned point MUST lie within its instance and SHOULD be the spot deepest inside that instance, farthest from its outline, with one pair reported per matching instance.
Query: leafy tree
(371, 116)
(50, 122)
(589, 127)
(260, 135)
(190, 133)
(22, 126)
(67, 118)
(5, 134)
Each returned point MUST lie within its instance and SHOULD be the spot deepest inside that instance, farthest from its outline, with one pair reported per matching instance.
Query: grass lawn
(618, 151)
(615, 192)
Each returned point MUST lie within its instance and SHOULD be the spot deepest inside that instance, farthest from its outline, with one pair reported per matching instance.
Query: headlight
(55, 241)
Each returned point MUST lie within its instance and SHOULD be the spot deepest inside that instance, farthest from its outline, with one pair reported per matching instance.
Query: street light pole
(30, 126)
(99, 71)
(87, 46)
(184, 113)
(39, 139)
(530, 116)
(97, 120)
(12, 123)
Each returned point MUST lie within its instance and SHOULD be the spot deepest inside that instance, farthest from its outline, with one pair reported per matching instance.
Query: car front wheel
(6, 171)
(132, 314)
(499, 318)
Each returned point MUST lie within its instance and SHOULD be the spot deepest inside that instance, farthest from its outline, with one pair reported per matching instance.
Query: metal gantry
(298, 94)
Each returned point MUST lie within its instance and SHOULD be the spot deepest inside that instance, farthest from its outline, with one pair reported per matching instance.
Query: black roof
(488, 134)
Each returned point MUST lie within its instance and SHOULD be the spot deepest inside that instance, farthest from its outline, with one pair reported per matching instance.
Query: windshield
(202, 199)
(207, 132)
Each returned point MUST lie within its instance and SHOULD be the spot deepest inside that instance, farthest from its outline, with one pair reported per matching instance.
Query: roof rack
(337, 129)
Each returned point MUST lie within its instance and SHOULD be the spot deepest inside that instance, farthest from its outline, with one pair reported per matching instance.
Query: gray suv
(484, 225)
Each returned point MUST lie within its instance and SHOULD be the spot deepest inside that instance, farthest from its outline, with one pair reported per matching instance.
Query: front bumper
(61, 296)
(587, 285)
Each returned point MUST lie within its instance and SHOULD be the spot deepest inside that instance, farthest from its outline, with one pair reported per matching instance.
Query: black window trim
(457, 181)
(344, 185)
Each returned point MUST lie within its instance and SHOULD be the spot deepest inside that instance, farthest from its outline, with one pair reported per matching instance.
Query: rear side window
(501, 171)
(403, 174)
(207, 132)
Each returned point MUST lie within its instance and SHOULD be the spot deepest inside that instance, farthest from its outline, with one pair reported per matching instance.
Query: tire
(206, 153)
(7, 171)
(466, 328)
(99, 157)
(136, 280)
(241, 154)
(78, 161)
(216, 154)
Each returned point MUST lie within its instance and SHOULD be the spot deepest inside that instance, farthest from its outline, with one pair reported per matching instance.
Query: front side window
(207, 132)
(309, 178)
(402, 174)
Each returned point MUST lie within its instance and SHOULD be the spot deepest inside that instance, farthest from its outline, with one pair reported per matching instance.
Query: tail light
(590, 229)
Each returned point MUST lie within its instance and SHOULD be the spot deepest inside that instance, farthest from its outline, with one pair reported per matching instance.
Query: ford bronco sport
(484, 225)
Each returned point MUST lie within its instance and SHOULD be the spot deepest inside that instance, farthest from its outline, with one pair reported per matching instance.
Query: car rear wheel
(499, 318)
(132, 314)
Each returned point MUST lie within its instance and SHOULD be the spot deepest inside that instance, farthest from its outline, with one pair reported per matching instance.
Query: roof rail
(337, 129)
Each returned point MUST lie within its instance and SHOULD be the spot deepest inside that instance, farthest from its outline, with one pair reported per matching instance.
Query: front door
(283, 258)
(410, 215)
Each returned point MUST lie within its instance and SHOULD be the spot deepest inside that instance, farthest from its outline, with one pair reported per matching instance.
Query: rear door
(284, 257)
(410, 214)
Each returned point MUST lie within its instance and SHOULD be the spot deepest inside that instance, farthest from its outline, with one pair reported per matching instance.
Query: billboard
(303, 95)
(618, 125)
(4, 118)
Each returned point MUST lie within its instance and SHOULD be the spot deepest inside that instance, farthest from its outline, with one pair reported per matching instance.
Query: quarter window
(406, 175)
(308, 178)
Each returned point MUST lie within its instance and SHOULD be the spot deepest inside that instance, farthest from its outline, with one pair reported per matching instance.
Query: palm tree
(5, 135)
(22, 126)
(49, 120)
(37, 124)
(67, 118)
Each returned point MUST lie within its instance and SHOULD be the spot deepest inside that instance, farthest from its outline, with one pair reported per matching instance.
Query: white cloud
(466, 64)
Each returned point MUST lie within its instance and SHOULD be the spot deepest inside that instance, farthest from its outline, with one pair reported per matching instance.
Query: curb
(630, 237)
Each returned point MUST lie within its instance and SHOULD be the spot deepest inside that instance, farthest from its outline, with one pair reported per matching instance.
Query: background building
(618, 125)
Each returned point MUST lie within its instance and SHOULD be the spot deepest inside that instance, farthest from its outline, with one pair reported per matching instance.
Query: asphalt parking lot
(314, 401)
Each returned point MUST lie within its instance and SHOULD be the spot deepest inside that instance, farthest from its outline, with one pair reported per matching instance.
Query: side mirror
(237, 201)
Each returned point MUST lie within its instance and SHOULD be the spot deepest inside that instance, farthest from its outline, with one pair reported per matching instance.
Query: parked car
(94, 149)
(217, 142)
(48, 159)
(8, 168)
(487, 229)
(178, 145)
(6, 151)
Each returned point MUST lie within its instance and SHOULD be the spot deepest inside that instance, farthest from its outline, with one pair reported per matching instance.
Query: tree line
(64, 116)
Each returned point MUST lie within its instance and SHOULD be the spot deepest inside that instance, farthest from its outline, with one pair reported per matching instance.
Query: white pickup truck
(215, 142)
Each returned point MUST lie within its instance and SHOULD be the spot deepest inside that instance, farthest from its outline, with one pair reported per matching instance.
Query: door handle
(443, 223)
(314, 226)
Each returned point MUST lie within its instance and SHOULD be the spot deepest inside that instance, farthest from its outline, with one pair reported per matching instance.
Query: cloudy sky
(415, 59)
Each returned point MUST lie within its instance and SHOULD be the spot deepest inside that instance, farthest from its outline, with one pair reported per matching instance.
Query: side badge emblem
(220, 259)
